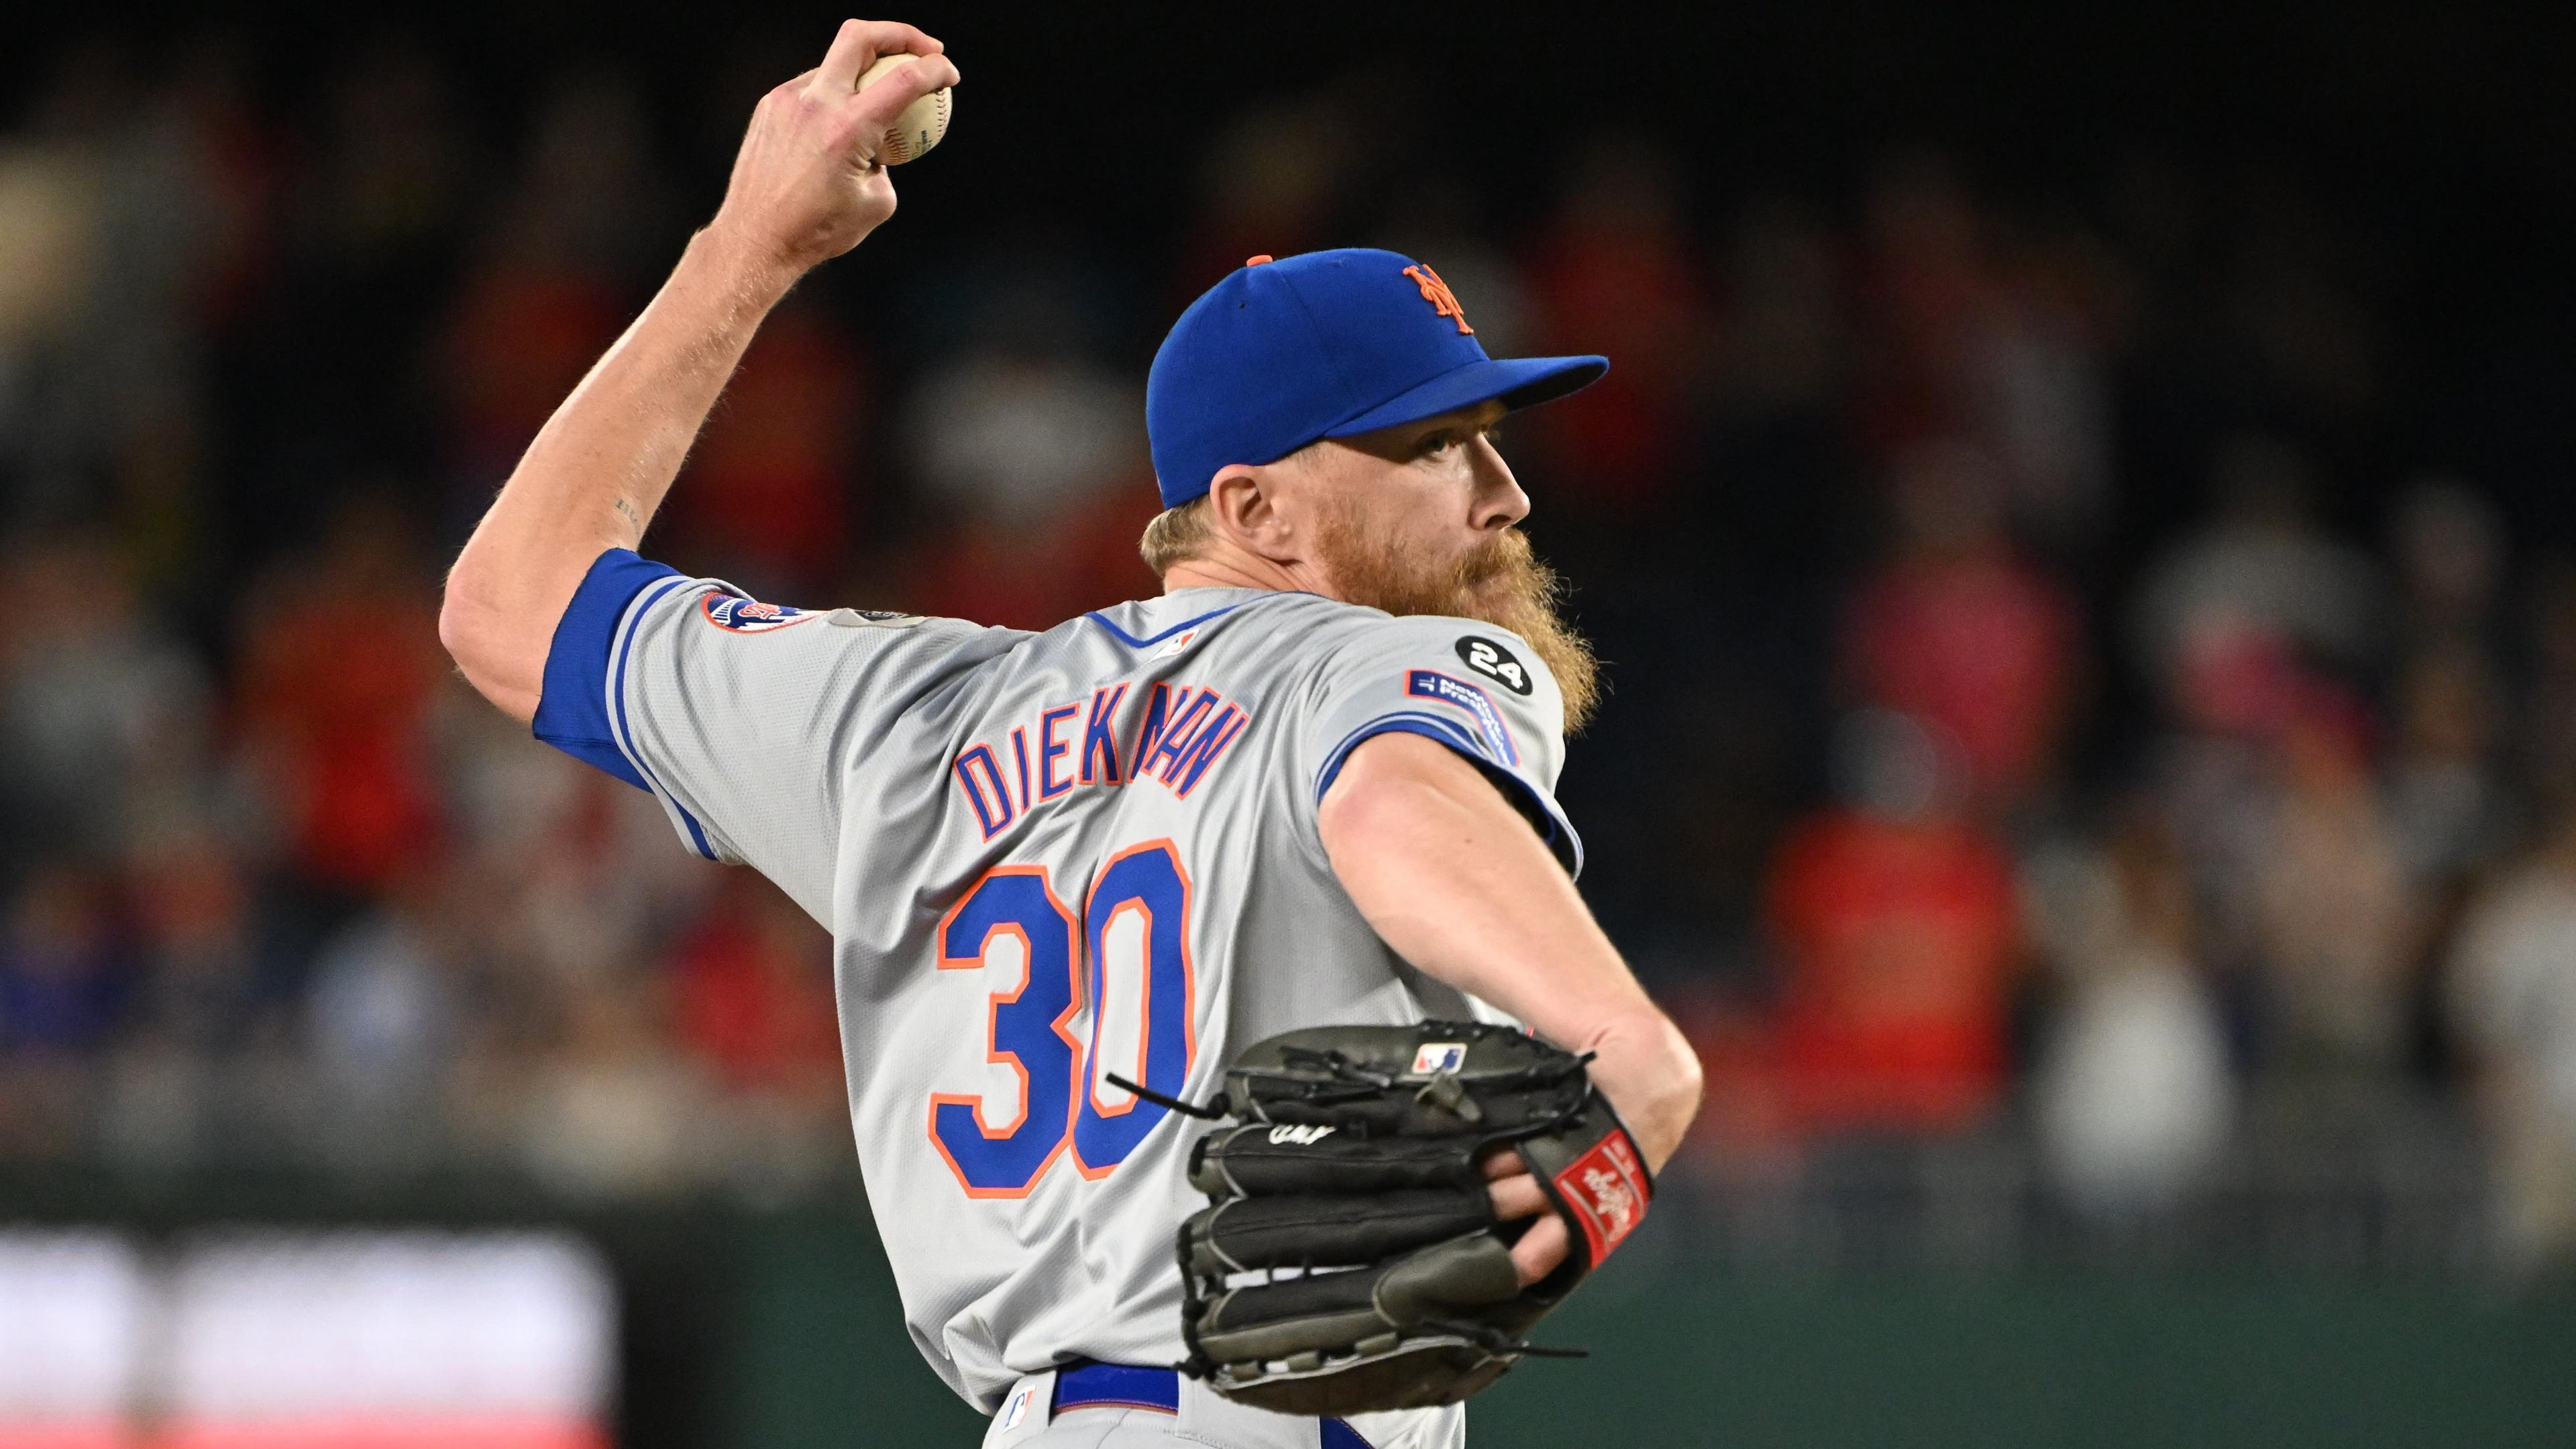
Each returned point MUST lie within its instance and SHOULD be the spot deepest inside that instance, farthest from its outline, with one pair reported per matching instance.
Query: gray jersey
(1045, 858)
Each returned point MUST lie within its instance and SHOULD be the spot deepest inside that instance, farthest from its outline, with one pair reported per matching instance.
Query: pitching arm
(804, 190)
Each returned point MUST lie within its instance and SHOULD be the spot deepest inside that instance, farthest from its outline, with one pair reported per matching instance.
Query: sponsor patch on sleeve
(1450, 690)
(1605, 1189)
(738, 615)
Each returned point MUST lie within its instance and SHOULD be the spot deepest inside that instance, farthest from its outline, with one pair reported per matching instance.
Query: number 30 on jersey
(1133, 935)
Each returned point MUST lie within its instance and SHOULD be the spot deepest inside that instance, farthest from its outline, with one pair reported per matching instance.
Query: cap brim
(1518, 381)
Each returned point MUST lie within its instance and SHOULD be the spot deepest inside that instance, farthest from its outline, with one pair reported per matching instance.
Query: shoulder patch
(1495, 662)
(738, 615)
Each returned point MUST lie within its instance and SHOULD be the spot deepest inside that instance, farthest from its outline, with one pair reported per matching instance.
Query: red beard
(1501, 582)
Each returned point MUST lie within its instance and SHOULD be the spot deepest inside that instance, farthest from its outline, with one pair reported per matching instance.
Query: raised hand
(807, 185)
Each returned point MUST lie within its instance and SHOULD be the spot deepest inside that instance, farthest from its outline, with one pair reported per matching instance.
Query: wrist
(759, 274)
(1652, 1078)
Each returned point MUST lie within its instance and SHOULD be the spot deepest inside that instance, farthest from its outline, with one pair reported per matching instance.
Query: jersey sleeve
(743, 719)
(1480, 690)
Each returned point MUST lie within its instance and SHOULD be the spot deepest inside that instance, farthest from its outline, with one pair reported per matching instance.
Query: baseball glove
(1350, 1260)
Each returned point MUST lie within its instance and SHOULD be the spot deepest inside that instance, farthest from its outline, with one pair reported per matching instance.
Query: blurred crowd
(2041, 702)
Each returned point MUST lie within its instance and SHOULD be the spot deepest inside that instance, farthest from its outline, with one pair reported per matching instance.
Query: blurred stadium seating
(2091, 622)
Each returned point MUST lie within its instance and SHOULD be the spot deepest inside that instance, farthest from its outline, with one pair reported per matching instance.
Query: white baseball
(921, 124)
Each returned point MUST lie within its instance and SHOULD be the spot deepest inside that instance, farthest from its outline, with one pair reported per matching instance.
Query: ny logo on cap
(1436, 292)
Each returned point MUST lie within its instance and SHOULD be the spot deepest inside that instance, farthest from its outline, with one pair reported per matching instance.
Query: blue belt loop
(1089, 1385)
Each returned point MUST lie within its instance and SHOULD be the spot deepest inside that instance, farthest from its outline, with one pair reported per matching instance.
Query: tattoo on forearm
(628, 510)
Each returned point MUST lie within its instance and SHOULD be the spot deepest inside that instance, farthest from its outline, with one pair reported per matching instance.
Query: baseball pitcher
(1277, 847)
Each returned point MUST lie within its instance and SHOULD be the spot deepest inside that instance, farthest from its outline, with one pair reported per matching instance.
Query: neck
(1231, 568)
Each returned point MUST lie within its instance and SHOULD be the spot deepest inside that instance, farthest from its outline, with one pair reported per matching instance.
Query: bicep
(1455, 880)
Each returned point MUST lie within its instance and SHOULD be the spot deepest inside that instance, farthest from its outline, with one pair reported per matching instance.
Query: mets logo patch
(736, 614)
(1605, 1189)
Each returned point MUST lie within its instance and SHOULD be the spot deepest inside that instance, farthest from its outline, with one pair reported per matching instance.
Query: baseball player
(1310, 783)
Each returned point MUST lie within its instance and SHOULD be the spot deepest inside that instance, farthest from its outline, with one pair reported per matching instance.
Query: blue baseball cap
(1322, 345)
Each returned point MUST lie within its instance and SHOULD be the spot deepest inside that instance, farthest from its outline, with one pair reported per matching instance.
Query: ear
(1244, 504)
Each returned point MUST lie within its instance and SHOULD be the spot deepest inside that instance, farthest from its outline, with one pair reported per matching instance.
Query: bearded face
(1500, 582)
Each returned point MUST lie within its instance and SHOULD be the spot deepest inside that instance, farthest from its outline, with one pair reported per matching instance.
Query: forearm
(600, 467)
(1458, 884)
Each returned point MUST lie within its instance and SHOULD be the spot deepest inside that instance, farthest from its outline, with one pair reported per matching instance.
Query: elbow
(476, 636)
(463, 622)
(456, 625)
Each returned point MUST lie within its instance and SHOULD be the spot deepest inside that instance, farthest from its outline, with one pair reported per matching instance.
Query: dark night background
(2079, 527)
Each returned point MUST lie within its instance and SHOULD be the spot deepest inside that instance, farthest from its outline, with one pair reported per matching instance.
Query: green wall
(2098, 1360)
(822, 1357)
(2091, 1360)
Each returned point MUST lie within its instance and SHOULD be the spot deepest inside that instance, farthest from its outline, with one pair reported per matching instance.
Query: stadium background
(2078, 526)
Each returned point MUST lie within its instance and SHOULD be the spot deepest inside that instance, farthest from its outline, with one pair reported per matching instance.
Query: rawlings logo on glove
(1605, 1192)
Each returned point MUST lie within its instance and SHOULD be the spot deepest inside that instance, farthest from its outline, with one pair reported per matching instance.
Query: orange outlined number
(1136, 931)
(1143, 998)
(1012, 915)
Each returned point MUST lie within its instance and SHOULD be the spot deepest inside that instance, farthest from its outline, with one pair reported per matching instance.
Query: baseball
(921, 124)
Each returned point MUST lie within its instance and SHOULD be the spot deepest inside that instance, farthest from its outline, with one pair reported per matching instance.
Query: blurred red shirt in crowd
(522, 335)
(1958, 631)
(768, 489)
(754, 991)
(1980, 646)
(1084, 558)
(339, 671)
(1926, 292)
(1900, 944)
(1617, 276)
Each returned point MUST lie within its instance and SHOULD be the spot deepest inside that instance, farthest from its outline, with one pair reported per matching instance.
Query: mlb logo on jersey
(1434, 1057)
(1017, 1409)
(736, 614)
